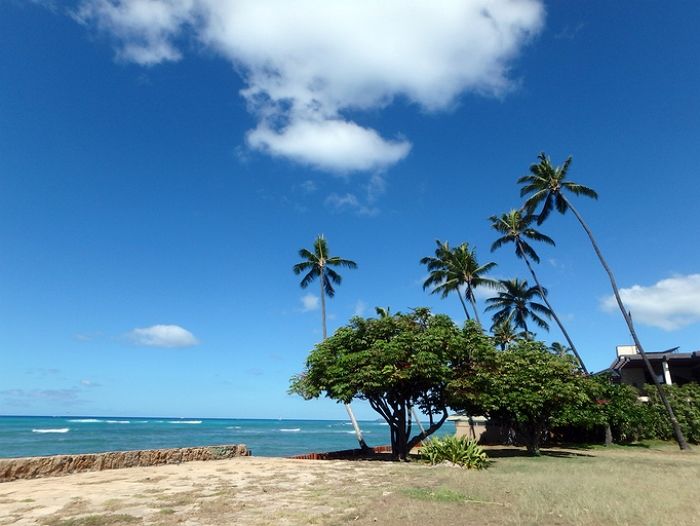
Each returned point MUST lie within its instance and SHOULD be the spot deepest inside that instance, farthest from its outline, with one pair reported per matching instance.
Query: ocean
(23, 436)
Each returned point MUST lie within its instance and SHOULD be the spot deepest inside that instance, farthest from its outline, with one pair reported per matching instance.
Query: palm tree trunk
(470, 296)
(554, 314)
(355, 426)
(628, 319)
(464, 305)
(323, 306)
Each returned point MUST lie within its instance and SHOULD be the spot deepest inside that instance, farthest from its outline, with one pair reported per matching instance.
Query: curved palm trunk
(554, 314)
(355, 426)
(628, 319)
(472, 300)
(464, 305)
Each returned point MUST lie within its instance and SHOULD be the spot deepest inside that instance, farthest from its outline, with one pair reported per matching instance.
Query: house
(670, 367)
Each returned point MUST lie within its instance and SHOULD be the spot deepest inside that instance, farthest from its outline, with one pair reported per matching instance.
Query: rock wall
(35, 467)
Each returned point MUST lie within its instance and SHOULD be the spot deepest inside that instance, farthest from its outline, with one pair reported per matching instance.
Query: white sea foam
(85, 420)
(56, 430)
(291, 430)
(233, 427)
(118, 421)
(184, 421)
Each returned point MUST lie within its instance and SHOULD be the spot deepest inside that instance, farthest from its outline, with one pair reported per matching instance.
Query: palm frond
(312, 275)
(333, 275)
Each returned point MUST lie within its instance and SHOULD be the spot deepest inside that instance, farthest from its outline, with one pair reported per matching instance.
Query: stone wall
(34, 467)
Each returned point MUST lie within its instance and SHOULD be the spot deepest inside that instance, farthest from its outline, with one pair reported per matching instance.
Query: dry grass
(619, 486)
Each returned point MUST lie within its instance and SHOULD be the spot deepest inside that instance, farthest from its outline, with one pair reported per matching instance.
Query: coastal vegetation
(395, 362)
(419, 360)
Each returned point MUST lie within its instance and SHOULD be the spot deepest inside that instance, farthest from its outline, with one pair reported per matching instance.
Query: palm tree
(504, 333)
(559, 349)
(318, 264)
(456, 269)
(516, 303)
(383, 312)
(515, 228)
(546, 186)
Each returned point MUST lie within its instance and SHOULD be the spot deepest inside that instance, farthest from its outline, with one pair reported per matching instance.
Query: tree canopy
(524, 387)
(395, 362)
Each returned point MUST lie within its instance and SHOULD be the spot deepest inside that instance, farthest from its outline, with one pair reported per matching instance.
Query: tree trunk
(628, 320)
(464, 306)
(608, 435)
(554, 314)
(533, 437)
(323, 305)
(470, 296)
(355, 426)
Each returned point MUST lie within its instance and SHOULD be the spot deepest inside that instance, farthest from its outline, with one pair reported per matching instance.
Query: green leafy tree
(319, 264)
(525, 387)
(515, 227)
(395, 363)
(517, 302)
(546, 188)
(456, 269)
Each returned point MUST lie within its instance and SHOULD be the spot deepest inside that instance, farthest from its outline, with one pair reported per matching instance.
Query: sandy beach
(238, 491)
(564, 487)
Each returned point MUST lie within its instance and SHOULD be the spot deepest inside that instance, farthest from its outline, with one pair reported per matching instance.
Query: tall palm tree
(515, 228)
(318, 264)
(547, 187)
(458, 269)
(517, 302)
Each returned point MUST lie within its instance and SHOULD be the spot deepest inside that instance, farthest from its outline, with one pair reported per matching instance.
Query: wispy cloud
(308, 64)
(89, 383)
(669, 304)
(360, 308)
(168, 336)
(310, 302)
(27, 396)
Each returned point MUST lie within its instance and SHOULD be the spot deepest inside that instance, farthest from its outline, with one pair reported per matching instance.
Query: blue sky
(161, 163)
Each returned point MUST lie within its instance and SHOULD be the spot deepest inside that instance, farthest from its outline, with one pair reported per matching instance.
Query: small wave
(184, 421)
(118, 421)
(56, 430)
(85, 420)
(233, 427)
(291, 430)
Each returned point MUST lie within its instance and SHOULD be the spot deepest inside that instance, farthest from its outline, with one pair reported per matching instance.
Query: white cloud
(163, 336)
(669, 304)
(307, 63)
(360, 308)
(310, 302)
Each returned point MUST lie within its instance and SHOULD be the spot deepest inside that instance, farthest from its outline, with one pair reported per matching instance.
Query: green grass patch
(110, 519)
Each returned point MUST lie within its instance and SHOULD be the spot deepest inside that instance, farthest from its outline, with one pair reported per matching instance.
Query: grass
(621, 485)
(111, 519)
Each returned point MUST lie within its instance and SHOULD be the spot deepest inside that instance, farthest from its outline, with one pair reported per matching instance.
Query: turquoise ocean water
(22, 436)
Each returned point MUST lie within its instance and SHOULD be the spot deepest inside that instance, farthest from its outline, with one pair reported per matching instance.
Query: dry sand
(245, 490)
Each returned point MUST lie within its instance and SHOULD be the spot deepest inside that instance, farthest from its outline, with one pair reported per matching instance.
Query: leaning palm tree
(317, 264)
(458, 269)
(517, 302)
(547, 187)
(515, 228)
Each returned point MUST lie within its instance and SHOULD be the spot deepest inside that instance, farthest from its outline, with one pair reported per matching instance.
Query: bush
(462, 451)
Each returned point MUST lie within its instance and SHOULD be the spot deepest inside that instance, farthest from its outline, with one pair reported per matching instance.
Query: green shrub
(462, 451)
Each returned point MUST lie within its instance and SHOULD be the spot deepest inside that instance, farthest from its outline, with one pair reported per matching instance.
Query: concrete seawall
(51, 466)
